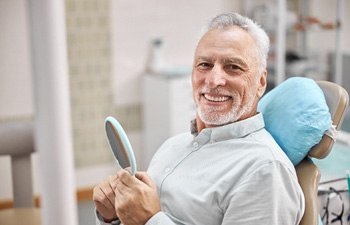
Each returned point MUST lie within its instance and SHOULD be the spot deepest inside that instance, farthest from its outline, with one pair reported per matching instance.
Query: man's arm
(269, 196)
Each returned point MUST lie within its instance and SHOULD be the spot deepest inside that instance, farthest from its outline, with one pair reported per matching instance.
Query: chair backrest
(17, 140)
(337, 100)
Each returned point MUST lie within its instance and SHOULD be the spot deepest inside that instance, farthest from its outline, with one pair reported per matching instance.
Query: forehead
(230, 40)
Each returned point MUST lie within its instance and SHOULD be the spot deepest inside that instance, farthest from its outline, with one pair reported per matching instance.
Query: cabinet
(168, 109)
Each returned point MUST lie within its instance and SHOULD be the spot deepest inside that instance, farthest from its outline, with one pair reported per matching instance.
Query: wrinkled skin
(131, 199)
(226, 80)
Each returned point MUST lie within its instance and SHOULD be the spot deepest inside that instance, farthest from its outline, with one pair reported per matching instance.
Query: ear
(262, 83)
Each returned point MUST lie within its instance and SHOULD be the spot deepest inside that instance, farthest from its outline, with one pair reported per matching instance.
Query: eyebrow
(204, 58)
(236, 61)
(226, 60)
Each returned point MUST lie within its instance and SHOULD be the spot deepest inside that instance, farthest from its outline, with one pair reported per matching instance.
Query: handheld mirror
(120, 145)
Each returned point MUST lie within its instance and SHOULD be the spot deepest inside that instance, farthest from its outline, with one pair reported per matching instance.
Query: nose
(215, 77)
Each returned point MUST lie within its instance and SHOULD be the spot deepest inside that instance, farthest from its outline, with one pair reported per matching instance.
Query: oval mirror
(120, 145)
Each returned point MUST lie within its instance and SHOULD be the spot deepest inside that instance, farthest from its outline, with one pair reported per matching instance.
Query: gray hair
(260, 37)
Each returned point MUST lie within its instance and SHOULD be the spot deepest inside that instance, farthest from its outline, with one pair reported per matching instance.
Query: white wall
(134, 24)
(16, 97)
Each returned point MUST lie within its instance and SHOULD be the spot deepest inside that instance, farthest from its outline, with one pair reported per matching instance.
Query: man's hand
(103, 196)
(136, 198)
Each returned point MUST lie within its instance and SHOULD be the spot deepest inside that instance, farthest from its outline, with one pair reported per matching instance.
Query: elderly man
(229, 170)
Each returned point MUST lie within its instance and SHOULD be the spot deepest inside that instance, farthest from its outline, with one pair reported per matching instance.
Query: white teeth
(216, 99)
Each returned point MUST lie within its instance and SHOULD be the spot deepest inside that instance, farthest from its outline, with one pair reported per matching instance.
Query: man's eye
(233, 67)
(204, 65)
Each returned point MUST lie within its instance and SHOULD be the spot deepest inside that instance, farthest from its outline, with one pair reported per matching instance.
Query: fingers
(112, 181)
(119, 200)
(109, 187)
(127, 184)
(122, 193)
(110, 197)
(100, 196)
(107, 214)
(128, 180)
(145, 178)
(125, 178)
(128, 169)
(113, 196)
(136, 198)
(104, 198)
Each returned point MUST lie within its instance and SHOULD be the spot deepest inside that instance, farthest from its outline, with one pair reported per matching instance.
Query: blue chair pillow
(296, 114)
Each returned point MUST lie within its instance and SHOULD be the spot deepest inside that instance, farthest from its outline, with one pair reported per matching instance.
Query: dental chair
(308, 174)
(17, 141)
(303, 115)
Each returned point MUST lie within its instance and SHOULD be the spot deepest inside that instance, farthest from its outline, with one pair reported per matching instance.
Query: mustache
(217, 90)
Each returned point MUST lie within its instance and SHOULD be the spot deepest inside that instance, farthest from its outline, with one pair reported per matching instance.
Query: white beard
(215, 116)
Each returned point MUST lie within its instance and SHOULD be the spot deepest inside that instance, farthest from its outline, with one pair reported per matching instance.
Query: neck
(201, 125)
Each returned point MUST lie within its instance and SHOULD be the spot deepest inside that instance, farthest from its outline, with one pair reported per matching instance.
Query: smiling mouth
(213, 98)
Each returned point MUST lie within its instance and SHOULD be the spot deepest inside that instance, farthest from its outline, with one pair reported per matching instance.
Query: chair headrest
(298, 113)
(337, 100)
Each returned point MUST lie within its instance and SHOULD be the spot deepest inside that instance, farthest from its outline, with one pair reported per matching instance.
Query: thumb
(145, 178)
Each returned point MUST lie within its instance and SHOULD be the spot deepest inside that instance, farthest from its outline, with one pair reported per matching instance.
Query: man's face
(225, 78)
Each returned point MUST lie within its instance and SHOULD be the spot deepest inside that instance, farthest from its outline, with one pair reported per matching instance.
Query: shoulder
(269, 151)
(256, 153)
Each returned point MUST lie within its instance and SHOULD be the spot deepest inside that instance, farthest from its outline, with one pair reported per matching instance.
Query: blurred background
(132, 60)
